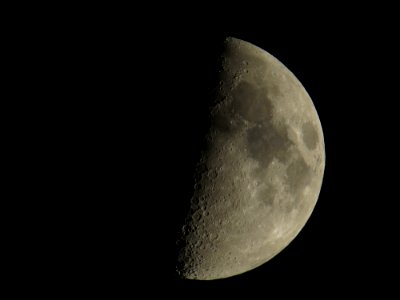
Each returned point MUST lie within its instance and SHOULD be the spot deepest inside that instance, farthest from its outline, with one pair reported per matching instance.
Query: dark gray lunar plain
(261, 175)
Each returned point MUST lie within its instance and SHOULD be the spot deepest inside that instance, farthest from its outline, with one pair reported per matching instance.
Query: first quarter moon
(259, 178)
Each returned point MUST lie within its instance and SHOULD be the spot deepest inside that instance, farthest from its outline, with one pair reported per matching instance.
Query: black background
(116, 124)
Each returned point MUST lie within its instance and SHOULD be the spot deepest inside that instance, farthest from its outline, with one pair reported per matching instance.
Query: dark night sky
(128, 122)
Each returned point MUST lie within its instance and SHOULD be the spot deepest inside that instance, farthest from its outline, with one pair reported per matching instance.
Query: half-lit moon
(259, 179)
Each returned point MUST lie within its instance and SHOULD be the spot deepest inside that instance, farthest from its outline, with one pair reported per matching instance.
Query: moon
(259, 178)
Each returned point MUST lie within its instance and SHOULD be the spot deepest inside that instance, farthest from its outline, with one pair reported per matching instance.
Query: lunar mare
(260, 176)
